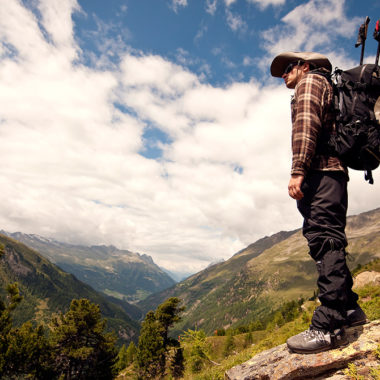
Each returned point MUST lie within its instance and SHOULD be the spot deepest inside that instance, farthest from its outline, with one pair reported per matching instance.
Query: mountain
(47, 289)
(119, 273)
(260, 278)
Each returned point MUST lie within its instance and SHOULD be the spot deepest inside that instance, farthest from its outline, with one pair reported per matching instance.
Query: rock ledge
(279, 363)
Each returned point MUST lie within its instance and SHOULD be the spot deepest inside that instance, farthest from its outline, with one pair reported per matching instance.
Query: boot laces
(313, 333)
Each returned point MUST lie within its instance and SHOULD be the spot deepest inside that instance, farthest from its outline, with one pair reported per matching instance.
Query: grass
(262, 340)
(371, 266)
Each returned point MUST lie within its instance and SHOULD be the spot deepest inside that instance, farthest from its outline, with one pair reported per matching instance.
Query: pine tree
(155, 345)
(248, 339)
(6, 308)
(82, 349)
(229, 345)
(177, 364)
(29, 353)
(278, 319)
(199, 350)
(125, 357)
(121, 361)
(24, 351)
(131, 353)
(150, 350)
(167, 314)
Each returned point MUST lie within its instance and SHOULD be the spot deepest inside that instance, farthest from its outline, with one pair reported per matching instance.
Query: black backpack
(357, 110)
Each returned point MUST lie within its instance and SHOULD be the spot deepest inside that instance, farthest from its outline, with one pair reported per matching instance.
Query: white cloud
(261, 3)
(178, 3)
(314, 25)
(229, 2)
(211, 6)
(235, 22)
(266, 3)
(201, 32)
(249, 61)
(56, 19)
(71, 136)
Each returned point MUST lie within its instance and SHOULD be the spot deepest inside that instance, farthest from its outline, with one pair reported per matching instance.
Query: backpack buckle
(368, 176)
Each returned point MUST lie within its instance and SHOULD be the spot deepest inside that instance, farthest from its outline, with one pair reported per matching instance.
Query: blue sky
(154, 125)
(221, 41)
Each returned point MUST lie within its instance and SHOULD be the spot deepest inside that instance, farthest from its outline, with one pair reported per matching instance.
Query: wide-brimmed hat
(280, 63)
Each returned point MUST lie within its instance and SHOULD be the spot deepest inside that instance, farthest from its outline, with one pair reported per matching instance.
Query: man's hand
(294, 187)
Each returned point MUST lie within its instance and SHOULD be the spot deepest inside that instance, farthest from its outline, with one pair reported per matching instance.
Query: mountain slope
(263, 276)
(48, 289)
(119, 273)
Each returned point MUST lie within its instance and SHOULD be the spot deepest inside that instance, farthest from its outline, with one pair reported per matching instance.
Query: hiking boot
(356, 317)
(314, 340)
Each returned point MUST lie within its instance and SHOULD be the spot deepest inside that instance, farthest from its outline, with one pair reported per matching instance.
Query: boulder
(368, 277)
(279, 363)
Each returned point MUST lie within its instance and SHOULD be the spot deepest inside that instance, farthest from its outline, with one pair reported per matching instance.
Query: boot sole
(358, 323)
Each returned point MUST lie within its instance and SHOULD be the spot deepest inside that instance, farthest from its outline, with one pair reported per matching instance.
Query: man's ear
(305, 67)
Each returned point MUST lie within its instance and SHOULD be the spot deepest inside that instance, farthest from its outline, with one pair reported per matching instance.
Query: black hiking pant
(324, 209)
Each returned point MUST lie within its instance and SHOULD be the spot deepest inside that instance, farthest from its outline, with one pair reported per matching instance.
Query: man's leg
(324, 208)
(335, 294)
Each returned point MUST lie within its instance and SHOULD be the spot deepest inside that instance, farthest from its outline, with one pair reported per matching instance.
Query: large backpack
(357, 110)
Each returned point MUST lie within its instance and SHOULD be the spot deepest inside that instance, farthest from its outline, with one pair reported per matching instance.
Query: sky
(154, 125)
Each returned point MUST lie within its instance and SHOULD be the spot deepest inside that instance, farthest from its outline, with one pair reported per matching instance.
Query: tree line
(76, 346)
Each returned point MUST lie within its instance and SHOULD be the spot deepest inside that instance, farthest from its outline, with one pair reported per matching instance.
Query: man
(318, 183)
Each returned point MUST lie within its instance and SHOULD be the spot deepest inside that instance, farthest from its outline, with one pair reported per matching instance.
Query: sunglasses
(290, 67)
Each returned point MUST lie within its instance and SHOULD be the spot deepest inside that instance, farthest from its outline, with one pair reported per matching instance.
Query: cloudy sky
(154, 125)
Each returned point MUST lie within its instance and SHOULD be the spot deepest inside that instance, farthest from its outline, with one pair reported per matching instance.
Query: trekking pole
(362, 36)
(376, 36)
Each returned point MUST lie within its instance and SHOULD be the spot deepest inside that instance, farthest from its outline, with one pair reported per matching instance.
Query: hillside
(118, 273)
(48, 289)
(261, 277)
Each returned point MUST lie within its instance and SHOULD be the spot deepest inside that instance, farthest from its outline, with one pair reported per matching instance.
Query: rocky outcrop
(368, 277)
(279, 363)
(15, 262)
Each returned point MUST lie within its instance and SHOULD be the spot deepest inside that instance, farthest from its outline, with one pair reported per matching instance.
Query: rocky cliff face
(279, 363)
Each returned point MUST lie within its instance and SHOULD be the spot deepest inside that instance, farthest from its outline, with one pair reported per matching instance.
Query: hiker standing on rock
(318, 183)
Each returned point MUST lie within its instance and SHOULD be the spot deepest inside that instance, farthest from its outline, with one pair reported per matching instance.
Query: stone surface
(364, 278)
(279, 363)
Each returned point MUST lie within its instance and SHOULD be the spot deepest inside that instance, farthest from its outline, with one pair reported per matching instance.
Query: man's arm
(307, 125)
(294, 187)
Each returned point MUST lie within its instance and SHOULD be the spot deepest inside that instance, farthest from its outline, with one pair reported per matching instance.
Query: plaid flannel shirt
(312, 115)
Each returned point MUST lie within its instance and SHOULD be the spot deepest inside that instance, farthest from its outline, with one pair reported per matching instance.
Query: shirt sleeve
(307, 121)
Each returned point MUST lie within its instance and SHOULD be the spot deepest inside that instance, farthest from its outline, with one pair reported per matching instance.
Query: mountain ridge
(118, 273)
(47, 289)
(260, 278)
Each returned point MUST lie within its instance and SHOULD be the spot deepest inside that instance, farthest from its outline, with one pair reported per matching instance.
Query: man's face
(294, 73)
